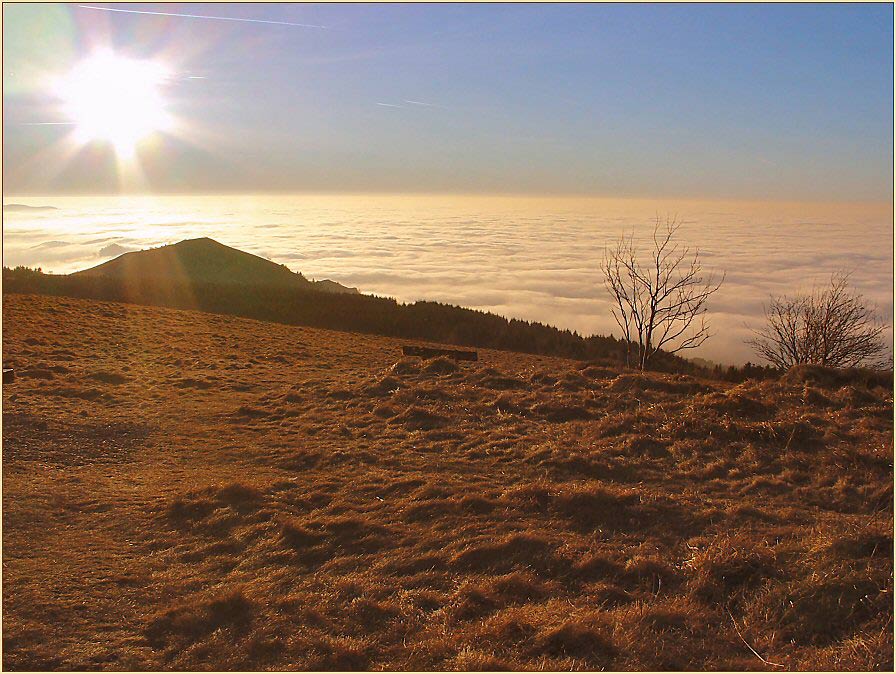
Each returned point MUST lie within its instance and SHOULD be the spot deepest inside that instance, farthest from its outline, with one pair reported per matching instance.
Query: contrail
(427, 105)
(200, 16)
(389, 105)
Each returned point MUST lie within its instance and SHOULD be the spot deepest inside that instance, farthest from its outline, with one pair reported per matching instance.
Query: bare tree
(830, 326)
(660, 298)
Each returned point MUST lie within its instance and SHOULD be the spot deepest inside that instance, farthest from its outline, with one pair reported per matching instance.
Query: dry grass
(190, 491)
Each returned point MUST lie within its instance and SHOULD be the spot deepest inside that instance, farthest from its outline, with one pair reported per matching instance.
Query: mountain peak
(200, 241)
(204, 260)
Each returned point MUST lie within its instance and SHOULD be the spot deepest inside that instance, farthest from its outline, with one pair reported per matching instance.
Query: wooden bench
(428, 352)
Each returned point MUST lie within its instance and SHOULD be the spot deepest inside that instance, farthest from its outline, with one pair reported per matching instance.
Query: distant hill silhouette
(24, 207)
(205, 261)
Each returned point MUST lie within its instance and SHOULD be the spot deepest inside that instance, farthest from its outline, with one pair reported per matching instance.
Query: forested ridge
(423, 320)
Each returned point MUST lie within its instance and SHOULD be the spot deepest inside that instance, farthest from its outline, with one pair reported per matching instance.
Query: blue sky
(746, 101)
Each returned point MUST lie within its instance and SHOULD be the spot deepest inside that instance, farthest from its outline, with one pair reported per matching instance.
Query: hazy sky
(737, 101)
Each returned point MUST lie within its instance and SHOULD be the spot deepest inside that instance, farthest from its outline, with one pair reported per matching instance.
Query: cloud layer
(537, 260)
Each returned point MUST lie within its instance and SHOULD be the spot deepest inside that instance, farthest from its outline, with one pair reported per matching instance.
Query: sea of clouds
(536, 259)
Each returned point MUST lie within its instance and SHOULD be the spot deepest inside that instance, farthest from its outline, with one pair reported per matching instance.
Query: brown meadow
(184, 490)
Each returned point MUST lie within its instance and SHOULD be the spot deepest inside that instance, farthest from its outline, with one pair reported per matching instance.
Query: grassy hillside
(280, 303)
(195, 491)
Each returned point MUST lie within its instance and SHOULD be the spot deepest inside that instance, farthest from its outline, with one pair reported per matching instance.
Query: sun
(115, 100)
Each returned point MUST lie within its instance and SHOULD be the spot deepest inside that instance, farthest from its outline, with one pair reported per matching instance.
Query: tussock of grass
(477, 505)
(572, 381)
(830, 378)
(405, 366)
(105, 377)
(598, 506)
(861, 544)
(338, 654)
(506, 404)
(471, 603)
(598, 372)
(471, 660)
(597, 567)
(192, 619)
(198, 505)
(248, 412)
(822, 609)
(743, 404)
(650, 571)
(440, 366)
(418, 418)
(645, 383)
(387, 384)
(728, 564)
(561, 411)
(577, 640)
(616, 424)
(492, 378)
(512, 552)
(641, 445)
(299, 537)
(36, 373)
(371, 614)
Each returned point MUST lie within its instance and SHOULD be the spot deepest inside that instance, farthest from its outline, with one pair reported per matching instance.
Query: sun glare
(115, 100)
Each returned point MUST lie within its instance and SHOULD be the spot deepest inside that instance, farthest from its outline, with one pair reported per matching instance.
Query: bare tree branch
(829, 326)
(660, 301)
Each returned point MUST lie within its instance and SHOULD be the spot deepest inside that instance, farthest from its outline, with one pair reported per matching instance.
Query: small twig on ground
(753, 650)
(790, 439)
